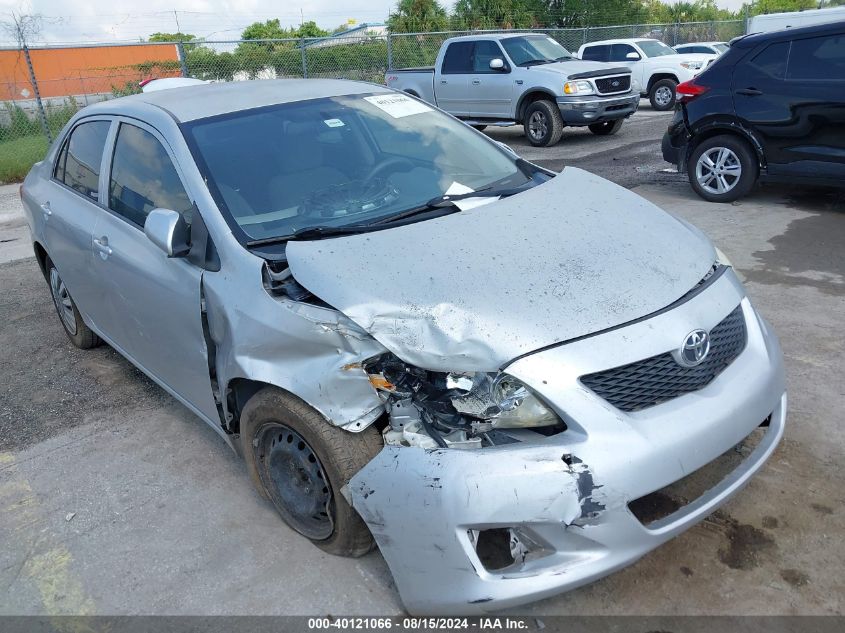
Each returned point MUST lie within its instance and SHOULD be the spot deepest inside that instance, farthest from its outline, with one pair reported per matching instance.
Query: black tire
(606, 128)
(738, 154)
(542, 123)
(268, 422)
(480, 128)
(79, 334)
(657, 93)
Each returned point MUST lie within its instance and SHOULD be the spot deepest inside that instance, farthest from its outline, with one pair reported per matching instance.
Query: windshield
(340, 161)
(721, 47)
(530, 49)
(654, 48)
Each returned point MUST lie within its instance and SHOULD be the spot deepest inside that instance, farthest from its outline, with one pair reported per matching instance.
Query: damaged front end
(465, 410)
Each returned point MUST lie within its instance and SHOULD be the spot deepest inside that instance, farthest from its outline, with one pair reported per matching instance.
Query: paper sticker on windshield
(398, 106)
(334, 122)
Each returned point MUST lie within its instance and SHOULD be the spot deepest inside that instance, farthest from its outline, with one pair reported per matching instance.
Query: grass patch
(18, 155)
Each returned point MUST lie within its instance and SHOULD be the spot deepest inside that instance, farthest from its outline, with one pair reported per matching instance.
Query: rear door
(491, 91)
(452, 80)
(793, 95)
(155, 304)
(70, 210)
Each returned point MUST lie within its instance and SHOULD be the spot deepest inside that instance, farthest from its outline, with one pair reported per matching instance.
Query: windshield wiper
(536, 62)
(564, 58)
(448, 200)
(310, 233)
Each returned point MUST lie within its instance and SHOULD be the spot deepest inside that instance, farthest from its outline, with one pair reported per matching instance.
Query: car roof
(699, 44)
(624, 40)
(791, 33)
(190, 103)
(496, 36)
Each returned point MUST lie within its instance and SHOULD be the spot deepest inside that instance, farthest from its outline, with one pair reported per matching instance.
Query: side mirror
(497, 64)
(633, 56)
(168, 230)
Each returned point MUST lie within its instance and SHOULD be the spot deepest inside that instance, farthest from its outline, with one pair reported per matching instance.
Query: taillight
(689, 90)
(144, 82)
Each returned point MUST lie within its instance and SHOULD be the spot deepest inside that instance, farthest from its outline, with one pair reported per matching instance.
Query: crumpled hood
(473, 290)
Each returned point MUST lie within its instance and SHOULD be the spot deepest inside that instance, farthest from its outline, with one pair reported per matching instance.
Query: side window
(485, 50)
(771, 60)
(78, 163)
(619, 51)
(599, 53)
(458, 58)
(818, 58)
(143, 177)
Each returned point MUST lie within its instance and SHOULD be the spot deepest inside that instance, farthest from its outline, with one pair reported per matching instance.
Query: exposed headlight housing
(692, 65)
(502, 401)
(578, 88)
(721, 258)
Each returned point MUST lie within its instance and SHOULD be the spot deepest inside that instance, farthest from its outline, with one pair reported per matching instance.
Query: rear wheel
(722, 168)
(662, 94)
(606, 128)
(79, 334)
(300, 463)
(543, 124)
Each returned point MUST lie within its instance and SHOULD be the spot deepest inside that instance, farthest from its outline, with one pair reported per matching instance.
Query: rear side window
(458, 58)
(78, 164)
(143, 177)
(599, 53)
(772, 60)
(818, 58)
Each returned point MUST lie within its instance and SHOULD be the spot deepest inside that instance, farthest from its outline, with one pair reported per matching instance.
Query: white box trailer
(793, 19)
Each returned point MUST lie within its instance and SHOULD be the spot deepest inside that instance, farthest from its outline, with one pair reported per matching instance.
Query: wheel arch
(529, 97)
(659, 76)
(40, 257)
(720, 129)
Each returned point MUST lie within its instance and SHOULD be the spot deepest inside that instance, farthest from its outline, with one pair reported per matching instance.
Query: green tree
(310, 29)
(269, 30)
(499, 14)
(418, 16)
(171, 37)
(759, 7)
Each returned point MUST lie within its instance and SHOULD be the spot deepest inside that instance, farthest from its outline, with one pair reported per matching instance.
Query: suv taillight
(689, 90)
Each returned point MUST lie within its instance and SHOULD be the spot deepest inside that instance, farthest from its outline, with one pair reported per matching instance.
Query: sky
(121, 20)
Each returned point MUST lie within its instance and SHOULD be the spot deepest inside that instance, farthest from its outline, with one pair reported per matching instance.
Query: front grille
(660, 378)
(605, 85)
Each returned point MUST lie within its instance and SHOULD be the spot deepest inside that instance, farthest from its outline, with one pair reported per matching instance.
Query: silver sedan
(415, 338)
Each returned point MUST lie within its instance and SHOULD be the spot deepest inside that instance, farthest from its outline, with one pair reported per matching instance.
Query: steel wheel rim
(63, 302)
(296, 480)
(663, 96)
(718, 170)
(538, 127)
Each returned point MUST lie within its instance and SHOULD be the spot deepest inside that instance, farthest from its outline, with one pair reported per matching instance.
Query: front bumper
(568, 495)
(593, 109)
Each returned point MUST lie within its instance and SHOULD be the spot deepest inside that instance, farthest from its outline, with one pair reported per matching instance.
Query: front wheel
(300, 462)
(543, 124)
(662, 95)
(606, 128)
(722, 168)
(79, 334)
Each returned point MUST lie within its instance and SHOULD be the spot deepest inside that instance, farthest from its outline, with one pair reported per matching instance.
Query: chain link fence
(41, 88)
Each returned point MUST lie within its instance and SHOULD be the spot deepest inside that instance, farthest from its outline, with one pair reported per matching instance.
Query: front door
(491, 91)
(155, 304)
(792, 94)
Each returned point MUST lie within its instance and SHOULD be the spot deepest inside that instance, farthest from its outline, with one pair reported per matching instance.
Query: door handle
(102, 245)
(45, 209)
(476, 81)
(749, 92)
(443, 81)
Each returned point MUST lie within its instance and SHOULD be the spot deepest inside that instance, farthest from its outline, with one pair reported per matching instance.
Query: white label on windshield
(398, 106)
(456, 189)
(334, 122)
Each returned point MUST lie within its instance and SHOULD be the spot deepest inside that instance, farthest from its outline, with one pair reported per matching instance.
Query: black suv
(772, 107)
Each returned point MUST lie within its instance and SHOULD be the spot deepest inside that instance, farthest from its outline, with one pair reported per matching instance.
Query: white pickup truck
(528, 78)
(657, 68)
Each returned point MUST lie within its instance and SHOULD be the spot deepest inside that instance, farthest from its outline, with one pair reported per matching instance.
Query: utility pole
(176, 15)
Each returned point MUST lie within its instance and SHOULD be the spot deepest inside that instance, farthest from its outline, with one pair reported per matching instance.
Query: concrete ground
(114, 499)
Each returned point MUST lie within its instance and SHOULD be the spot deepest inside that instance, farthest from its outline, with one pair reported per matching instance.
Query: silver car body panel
(472, 290)
(570, 490)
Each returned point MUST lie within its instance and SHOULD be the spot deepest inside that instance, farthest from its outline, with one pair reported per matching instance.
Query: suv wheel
(300, 463)
(543, 123)
(722, 168)
(606, 128)
(79, 334)
(662, 95)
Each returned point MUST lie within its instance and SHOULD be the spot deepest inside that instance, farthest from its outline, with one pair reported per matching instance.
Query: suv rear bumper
(592, 109)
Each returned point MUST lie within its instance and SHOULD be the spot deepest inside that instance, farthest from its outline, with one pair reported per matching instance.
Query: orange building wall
(62, 72)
